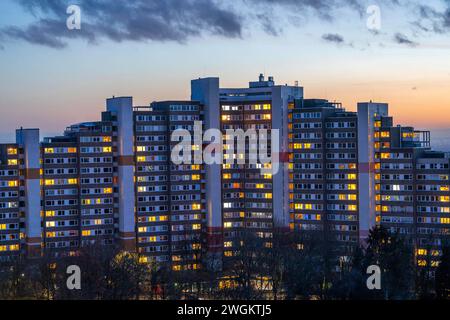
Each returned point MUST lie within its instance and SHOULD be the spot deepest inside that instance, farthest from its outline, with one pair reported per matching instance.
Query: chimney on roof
(261, 77)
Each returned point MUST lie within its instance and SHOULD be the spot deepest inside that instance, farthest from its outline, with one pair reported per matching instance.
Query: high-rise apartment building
(10, 200)
(114, 181)
(248, 198)
(324, 166)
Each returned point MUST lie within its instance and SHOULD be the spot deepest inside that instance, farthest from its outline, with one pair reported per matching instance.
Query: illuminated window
(72, 181)
(12, 162)
(72, 150)
(107, 190)
(385, 134)
(196, 206)
(49, 150)
(422, 252)
(86, 233)
(50, 213)
(49, 182)
(12, 151)
(141, 159)
(107, 149)
(227, 176)
(195, 177)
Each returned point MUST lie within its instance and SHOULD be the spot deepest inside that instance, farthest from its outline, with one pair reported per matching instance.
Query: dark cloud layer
(331, 37)
(121, 20)
(402, 39)
(181, 20)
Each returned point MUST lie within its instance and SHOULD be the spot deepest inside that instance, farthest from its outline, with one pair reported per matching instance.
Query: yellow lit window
(421, 263)
(385, 155)
(107, 139)
(227, 175)
(422, 252)
(107, 190)
(49, 150)
(196, 206)
(140, 149)
(72, 150)
(12, 151)
(196, 227)
(141, 159)
(352, 187)
(267, 117)
(50, 213)
(195, 167)
(385, 134)
(445, 188)
(227, 225)
(352, 208)
(351, 176)
(107, 149)
(13, 183)
(12, 162)
(50, 224)
(49, 182)
(267, 176)
(86, 233)
(444, 199)
(267, 106)
(195, 177)
(195, 147)
(72, 181)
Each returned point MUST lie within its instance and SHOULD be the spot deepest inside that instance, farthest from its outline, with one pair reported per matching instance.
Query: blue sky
(50, 88)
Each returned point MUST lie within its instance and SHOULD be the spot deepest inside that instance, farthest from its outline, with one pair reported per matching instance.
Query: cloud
(433, 20)
(122, 20)
(402, 39)
(335, 38)
(181, 20)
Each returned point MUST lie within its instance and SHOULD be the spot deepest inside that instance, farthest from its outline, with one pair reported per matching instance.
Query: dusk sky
(51, 77)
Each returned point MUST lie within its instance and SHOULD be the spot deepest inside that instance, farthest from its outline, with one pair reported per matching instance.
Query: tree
(442, 279)
(396, 260)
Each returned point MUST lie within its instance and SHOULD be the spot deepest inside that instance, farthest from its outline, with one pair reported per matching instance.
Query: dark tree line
(287, 266)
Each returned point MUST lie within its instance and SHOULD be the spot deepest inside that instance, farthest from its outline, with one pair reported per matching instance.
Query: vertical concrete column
(28, 139)
(281, 97)
(122, 108)
(367, 113)
(206, 91)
